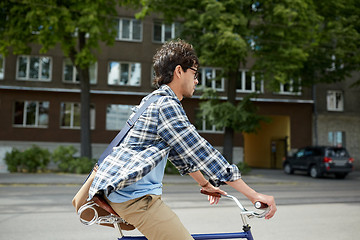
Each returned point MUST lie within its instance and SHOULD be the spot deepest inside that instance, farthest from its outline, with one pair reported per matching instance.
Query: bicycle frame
(207, 236)
(116, 220)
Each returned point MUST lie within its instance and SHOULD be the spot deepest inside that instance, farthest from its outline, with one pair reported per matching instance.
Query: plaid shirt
(163, 130)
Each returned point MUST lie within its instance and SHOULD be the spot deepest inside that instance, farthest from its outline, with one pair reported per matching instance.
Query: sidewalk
(256, 176)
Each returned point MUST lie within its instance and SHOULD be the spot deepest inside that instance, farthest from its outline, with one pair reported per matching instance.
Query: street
(308, 208)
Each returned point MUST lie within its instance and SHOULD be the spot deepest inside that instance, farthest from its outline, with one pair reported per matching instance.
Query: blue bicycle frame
(206, 236)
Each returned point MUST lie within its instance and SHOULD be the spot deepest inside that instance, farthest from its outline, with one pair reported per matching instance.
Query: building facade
(337, 118)
(40, 98)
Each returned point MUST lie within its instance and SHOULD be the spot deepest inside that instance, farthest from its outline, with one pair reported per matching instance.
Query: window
(300, 153)
(249, 82)
(164, 32)
(211, 77)
(203, 124)
(124, 74)
(335, 64)
(31, 114)
(290, 88)
(117, 115)
(70, 74)
(70, 116)
(129, 29)
(336, 138)
(2, 66)
(335, 101)
(34, 68)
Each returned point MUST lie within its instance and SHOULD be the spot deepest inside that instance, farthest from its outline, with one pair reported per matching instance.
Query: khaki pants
(153, 218)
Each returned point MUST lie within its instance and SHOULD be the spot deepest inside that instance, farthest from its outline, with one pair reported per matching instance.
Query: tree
(336, 51)
(242, 117)
(77, 26)
(276, 33)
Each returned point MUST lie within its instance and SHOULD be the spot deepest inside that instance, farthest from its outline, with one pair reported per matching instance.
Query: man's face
(190, 81)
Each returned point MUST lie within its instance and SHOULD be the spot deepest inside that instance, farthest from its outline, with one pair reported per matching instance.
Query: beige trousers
(153, 218)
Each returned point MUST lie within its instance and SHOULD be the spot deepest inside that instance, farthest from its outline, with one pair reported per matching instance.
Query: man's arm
(254, 196)
(241, 187)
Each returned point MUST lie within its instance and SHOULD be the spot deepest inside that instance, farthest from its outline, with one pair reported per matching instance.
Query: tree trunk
(85, 114)
(229, 132)
(228, 144)
(85, 132)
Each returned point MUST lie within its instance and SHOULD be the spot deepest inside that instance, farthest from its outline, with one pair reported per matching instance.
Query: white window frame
(75, 73)
(202, 81)
(337, 138)
(204, 130)
(120, 117)
(119, 74)
(27, 77)
(2, 67)
(335, 100)
(253, 83)
(131, 30)
(92, 116)
(174, 25)
(37, 114)
(291, 91)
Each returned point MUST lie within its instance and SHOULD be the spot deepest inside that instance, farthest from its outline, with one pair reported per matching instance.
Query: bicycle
(120, 224)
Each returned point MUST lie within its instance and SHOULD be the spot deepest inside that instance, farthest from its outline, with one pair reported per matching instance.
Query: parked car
(317, 161)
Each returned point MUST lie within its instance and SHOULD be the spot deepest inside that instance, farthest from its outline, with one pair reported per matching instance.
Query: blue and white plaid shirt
(162, 130)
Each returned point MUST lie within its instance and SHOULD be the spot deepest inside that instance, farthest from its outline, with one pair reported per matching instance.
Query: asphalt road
(307, 209)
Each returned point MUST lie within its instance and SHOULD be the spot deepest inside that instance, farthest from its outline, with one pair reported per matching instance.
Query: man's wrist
(205, 184)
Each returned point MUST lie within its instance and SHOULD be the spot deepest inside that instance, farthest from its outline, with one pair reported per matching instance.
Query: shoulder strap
(129, 124)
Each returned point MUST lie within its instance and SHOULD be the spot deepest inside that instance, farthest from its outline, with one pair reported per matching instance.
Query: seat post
(117, 227)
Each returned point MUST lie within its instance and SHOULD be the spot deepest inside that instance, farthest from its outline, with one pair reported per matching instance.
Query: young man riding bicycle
(131, 176)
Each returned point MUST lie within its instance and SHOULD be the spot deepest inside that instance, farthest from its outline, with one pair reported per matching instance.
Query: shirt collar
(166, 90)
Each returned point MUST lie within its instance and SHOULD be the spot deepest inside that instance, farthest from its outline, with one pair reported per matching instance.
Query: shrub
(13, 160)
(35, 159)
(63, 156)
(170, 168)
(82, 165)
(32, 160)
(244, 168)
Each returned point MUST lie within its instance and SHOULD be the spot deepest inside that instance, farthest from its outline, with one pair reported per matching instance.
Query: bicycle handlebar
(244, 211)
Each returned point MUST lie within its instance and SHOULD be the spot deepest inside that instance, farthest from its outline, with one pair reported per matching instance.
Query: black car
(317, 161)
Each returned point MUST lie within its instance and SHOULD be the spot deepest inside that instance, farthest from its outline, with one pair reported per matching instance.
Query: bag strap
(129, 124)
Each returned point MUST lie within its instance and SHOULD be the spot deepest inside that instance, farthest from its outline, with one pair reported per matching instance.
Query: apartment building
(40, 97)
(337, 116)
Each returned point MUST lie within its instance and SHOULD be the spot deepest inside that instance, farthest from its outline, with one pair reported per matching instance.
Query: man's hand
(210, 188)
(270, 201)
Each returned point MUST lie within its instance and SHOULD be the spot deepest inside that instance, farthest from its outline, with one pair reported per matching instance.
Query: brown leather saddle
(100, 212)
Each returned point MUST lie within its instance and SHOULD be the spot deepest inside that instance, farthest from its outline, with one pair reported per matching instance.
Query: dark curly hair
(171, 54)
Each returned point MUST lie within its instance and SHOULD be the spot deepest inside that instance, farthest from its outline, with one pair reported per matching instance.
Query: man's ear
(178, 71)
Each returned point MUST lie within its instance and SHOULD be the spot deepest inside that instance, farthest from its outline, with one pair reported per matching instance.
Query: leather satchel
(82, 195)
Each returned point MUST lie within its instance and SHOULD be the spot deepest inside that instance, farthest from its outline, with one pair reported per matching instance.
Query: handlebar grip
(260, 205)
(215, 194)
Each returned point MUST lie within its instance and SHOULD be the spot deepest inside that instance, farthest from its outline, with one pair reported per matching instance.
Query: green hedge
(36, 159)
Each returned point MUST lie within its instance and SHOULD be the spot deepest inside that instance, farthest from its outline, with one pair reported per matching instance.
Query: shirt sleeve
(191, 152)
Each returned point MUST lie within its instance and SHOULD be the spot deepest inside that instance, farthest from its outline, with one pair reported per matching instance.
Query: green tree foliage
(242, 117)
(286, 39)
(336, 52)
(78, 27)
